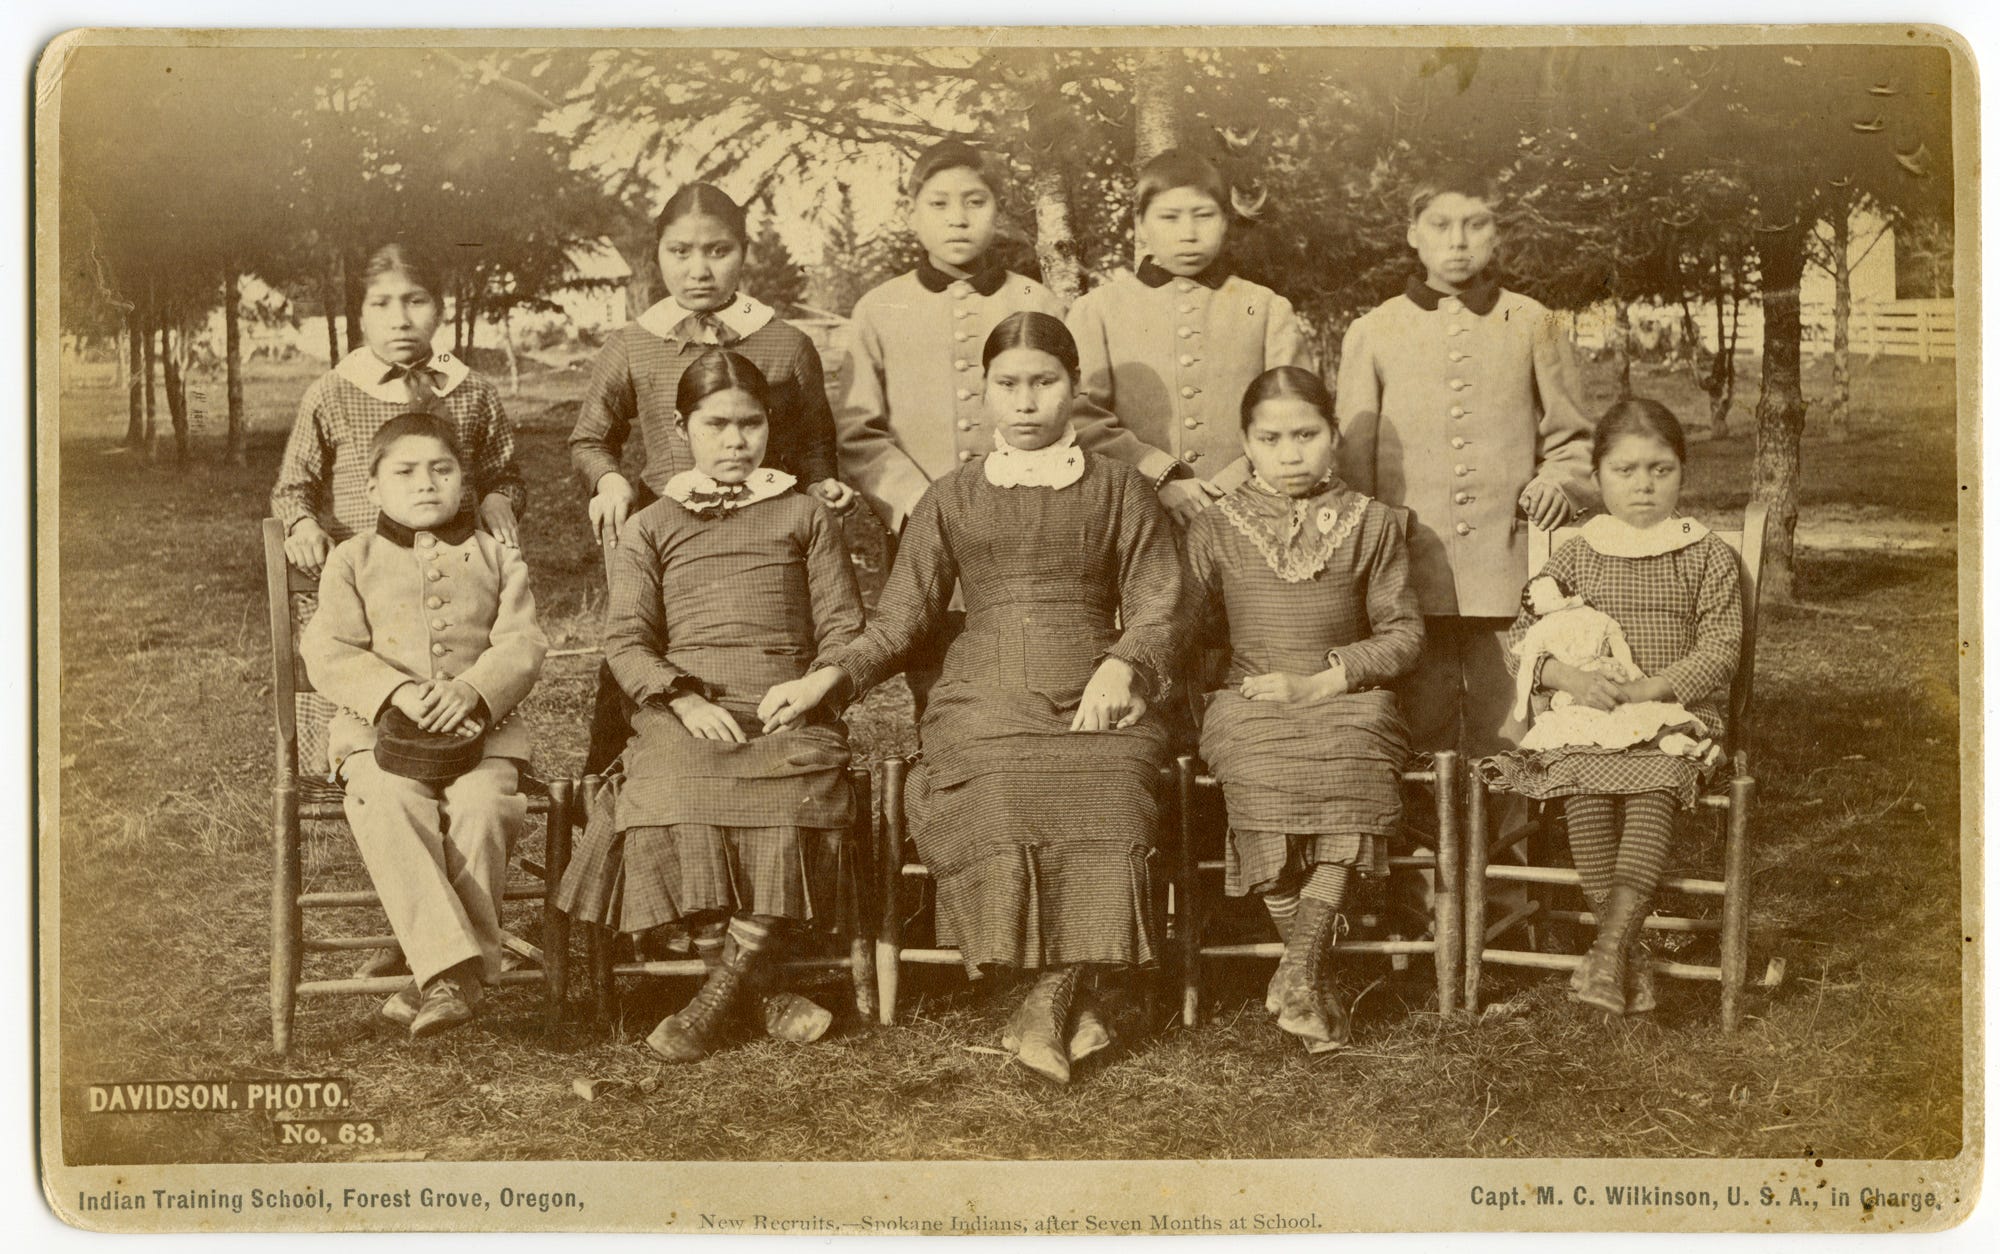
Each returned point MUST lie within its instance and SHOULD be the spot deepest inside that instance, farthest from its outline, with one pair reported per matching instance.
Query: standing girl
(703, 241)
(1673, 588)
(1035, 806)
(1170, 349)
(321, 495)
(729, 584)
(1307, 583)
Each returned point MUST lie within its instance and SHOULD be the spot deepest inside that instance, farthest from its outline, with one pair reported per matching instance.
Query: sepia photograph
(1041, 630)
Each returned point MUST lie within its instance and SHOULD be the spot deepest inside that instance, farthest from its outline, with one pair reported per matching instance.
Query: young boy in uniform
(1460, 401)
(912, 410)
(427, 641)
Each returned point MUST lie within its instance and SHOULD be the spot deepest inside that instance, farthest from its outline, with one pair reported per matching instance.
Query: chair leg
(287, 943)
(1474, 847)
(555, 924)
(889, 865)
(888, 973)
(1736, 901)
(602, 948)
(1187, 894)
(861, 964)
(1448, 902)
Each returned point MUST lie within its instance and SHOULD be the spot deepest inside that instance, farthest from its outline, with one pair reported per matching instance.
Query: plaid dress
(1305, 784)
(324, 471)
(1038, 838)
(1682, 613)
(726, 607)
(637, 373)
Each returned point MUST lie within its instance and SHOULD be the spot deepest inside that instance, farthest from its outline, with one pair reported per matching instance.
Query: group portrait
(818, 598)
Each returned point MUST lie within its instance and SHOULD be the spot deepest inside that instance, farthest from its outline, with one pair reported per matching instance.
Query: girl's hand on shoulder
(837, 496)
(1111, 700)
(496, 514)
(608, 508)
(1184, 498)
(704, 719)
(1284, 687)
(1545, 504)
(307, 545)
(787, 704)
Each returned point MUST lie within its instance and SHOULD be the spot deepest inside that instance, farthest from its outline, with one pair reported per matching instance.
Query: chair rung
(327, 944)
(916, 870)
(1568, 962)
(1563, 875)
(935, 957)
(1657, 922)
(1206, 780)
(391, 983)
(695, 966)
(367, 897)
(1425, 860)
(1275, 949)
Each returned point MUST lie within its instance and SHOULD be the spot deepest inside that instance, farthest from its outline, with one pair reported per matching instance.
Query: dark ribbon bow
(1153, 274)
(705, 328)
(424, 380)
(713, 504)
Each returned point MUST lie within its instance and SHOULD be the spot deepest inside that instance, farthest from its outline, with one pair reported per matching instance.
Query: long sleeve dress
(725, 606)
(1290, 581)
(1682, 613)
(1038, 837)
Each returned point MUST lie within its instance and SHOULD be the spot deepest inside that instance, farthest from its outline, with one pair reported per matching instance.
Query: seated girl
(1036, 803)
(1309, 583)
(1673, 589)
(730, 583)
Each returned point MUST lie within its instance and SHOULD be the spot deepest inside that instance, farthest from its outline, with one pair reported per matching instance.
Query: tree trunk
(1781, 406)
(1156, 104)
(135, 420)
(176, 393)
(1055, 240)
(639, 247)
(351, 294)
(471, 328)
(1843, 309)
(232, 332)
(458, 324)
(1621, 346)
(146, 335)
(507, 342)
(329, 298)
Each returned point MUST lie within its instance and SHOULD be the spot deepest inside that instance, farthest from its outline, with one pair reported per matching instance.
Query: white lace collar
(743, 315)
(1056, 466)
(1616, 538)
(1297, 536)
(388, 382)
(701, 494)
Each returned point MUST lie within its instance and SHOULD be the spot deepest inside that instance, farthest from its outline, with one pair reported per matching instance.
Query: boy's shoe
(445, 1006)
(402, 1007)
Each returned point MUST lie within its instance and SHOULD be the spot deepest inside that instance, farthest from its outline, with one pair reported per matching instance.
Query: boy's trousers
(438, 857)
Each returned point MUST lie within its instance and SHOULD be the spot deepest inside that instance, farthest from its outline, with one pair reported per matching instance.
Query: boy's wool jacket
(398, 606)
(1449, 406)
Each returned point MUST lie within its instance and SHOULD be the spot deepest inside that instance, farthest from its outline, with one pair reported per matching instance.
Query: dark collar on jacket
(1479, 298)
(1153, 274)
(457, 531)
(985, 282)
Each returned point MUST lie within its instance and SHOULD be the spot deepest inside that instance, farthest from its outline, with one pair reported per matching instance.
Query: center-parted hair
(719, 370)
(1042, 332)
(415, 423)
(953, 154)
(1289, 382)
(705, 200)
(1177, 167)
(1638, 415)
(413, 264)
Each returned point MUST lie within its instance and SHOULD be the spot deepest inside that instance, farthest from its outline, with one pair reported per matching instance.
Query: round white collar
(701, 494)
(1057, 465)
(1616, 538)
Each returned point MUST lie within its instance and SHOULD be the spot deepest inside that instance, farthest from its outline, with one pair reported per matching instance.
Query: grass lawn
(164, 858)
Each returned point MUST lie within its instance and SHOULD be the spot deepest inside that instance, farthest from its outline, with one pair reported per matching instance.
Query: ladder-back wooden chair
(606, 968)
(1434, 783)
(301, 793)
(900, 867)
(1729, 799)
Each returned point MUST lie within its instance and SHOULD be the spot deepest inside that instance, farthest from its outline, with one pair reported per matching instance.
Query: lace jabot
(1056, 466)
(705, 498)
(1296, 535)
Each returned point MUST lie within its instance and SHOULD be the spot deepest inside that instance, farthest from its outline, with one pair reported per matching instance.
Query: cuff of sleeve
(1154, 684)
(843, 692)
(664, 696)
(1158, 466)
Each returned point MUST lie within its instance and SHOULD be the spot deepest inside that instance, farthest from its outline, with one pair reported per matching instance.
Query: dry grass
(164, 864)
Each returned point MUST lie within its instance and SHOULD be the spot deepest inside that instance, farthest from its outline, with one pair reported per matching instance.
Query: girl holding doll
(719, 822)
(1307, 584)
(1673, 590)
(1035, 805)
